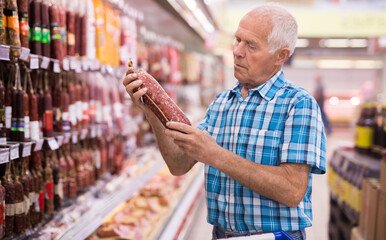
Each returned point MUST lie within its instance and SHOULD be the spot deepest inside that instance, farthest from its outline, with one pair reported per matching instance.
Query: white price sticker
(38, 145)
(83, 133)
(85, 64)
(67, 137)
(74, 137)
(4, 52)
(45, 63)
(93, 131)
(66, 64)
(34, 62)
(4, 156)
(14, 152)
(26, 149)
(74, 64)
(59, 140)
(56, 66)
(24, 54)
(52, 143)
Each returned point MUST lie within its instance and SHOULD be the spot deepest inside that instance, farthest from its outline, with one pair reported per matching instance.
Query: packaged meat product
(35, 27)
(3, 32)
(10, 201)
(159, 102)
(22, 6)
(46, 33)
(13, 28)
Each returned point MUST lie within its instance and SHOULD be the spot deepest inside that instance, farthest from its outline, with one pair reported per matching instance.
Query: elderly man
(260, 141)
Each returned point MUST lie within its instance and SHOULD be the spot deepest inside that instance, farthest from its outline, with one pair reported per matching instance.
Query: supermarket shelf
(93, 218)
(177, 218)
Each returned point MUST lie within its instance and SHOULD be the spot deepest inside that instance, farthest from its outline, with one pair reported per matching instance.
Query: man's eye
(251, 46)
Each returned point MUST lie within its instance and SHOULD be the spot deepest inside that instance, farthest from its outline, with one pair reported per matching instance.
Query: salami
(159, 102)
(23, 22)
(9, 200)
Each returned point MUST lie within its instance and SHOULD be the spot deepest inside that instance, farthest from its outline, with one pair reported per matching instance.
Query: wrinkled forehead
(259, 24)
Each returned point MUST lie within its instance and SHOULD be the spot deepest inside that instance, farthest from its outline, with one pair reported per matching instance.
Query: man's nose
(239, 50)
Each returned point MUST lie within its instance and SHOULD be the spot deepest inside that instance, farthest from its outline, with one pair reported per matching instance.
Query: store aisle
(201, 230)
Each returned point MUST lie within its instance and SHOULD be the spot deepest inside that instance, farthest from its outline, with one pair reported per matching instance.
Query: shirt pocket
(263, 147)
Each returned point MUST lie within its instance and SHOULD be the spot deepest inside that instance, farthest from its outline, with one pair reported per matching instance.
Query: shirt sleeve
(304, 140)
(203, 126)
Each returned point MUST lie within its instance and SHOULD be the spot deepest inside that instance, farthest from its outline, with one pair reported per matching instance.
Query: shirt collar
(267, 90)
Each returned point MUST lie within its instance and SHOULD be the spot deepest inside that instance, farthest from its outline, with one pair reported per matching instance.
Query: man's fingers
(138, 94)
(129, 78)
(182, 127)
(132, 86)
(176, 135)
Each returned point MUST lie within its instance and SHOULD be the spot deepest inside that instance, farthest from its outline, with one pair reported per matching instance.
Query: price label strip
(74, 137)
(24, 53)
(33, 61)
(52, 143)
(26, 149)
(66, 64)
(83, 133)
(67, 137)
(4, 52)
(14, 152)
(45, 63)
(56, 67)
(38, 145)
(59, 140)
(4, 156)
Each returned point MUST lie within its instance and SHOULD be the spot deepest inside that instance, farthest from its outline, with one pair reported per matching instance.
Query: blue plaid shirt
(278, 122)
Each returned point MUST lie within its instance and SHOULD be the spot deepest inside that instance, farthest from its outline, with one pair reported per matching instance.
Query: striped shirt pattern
(278, 122)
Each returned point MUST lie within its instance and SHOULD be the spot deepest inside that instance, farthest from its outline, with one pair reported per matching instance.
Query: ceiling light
(358, 43)
(334, 100)
(334, 43)
(302, 43)
(355, 101)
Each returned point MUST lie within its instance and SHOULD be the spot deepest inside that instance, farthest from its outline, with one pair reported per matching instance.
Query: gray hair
(284, 32)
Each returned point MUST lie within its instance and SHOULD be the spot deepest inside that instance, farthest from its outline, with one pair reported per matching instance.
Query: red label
(50, 190)
(2, 213)
(41, 200)
(48, 120)
(24, 28)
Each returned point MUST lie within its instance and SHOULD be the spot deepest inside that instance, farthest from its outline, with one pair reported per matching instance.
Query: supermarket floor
(201, 230)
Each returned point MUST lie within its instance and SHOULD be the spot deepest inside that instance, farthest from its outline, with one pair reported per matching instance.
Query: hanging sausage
(13, 28)
(46, 33)
(22, 6)
(10, 201)
(36, 27)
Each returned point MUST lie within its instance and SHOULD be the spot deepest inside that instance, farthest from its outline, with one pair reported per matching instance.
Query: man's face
(253, 64)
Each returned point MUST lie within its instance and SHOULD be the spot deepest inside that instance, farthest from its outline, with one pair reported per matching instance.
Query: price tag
(83, 133)
(24, 54)
(92, 131)
(45, 63)
(4, 156)
(56, 66)
(34, 62)
(74, 137)
(73, 64)
(85, 64)
(78, 68)
(14, 152)
(67, 137)
(4, 52)
(26, 149)
(99, 130)
(52, 143)
(38, 145)
(59, 140)
(66, 64)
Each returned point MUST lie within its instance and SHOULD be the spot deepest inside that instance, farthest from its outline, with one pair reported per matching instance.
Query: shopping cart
(279, 235)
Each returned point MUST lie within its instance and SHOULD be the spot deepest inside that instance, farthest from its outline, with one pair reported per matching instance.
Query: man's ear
(282, 56)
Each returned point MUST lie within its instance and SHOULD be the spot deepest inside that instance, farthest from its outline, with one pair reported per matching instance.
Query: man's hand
(132, 83)
(196, 144)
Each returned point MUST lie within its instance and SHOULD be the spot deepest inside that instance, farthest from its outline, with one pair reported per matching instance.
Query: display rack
(93, 218)
(346, 170)
(177, 218)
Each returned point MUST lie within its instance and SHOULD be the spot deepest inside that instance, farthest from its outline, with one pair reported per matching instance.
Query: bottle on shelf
(365, 129)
